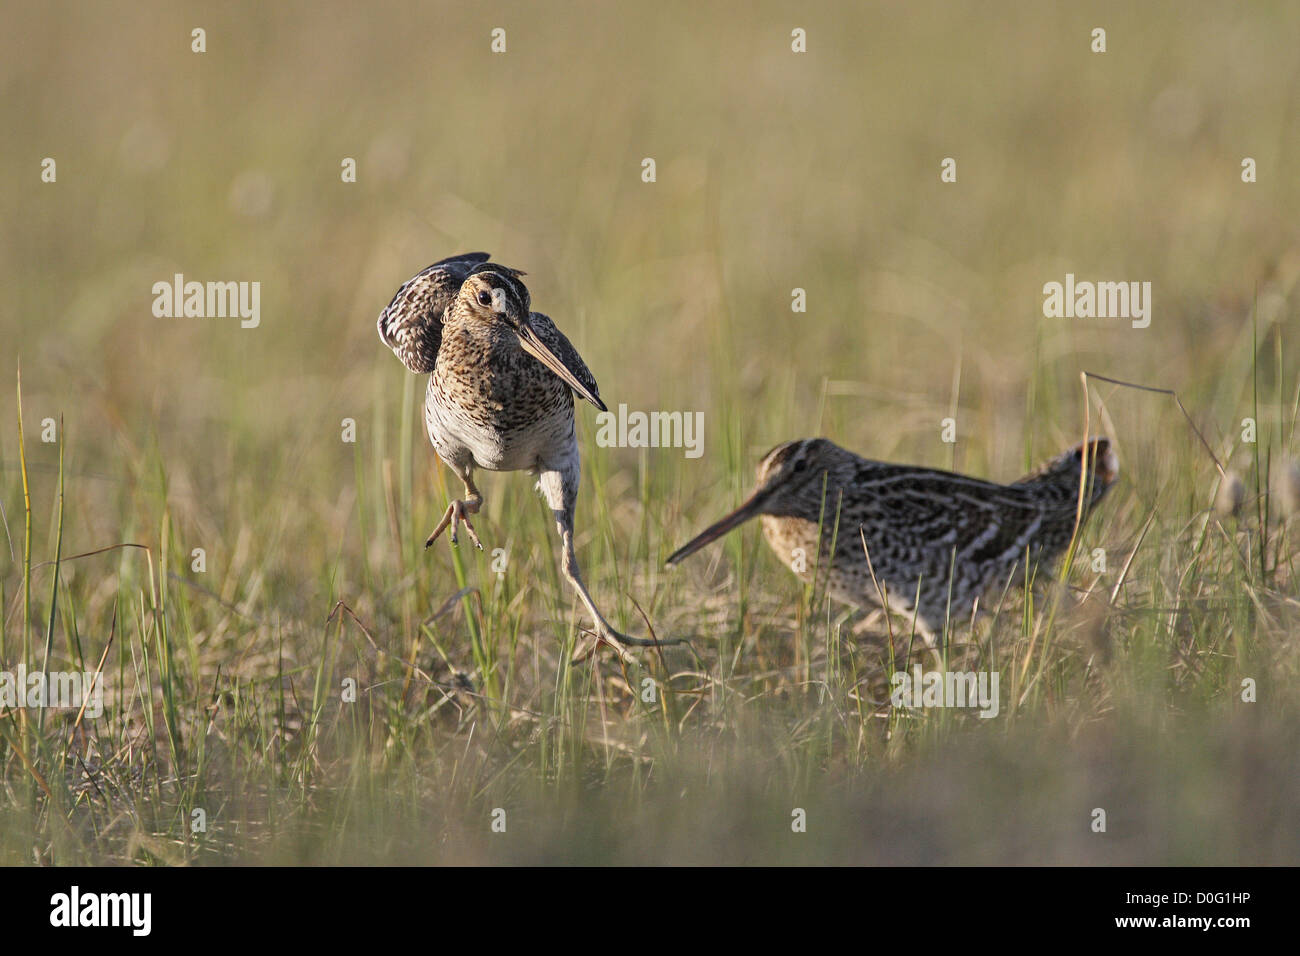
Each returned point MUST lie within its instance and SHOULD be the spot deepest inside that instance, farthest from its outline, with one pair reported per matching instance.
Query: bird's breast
(497, 405)
(794, 540)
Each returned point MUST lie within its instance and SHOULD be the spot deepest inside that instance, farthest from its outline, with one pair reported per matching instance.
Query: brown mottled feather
(936, 540)
(411, 325)
(500, 396)
(558, 343)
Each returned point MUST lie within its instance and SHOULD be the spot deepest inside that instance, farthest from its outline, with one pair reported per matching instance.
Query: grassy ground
(775, 171)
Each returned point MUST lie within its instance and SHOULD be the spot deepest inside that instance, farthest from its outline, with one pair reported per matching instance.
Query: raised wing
(411, 325)
(563, 350)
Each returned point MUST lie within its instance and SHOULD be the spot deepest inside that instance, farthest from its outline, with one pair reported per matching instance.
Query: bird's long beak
(533, 346)
(752, 506)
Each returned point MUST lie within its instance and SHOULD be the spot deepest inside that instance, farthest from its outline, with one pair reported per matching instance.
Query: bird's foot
(457, 513)
(589, 642)
(617, 642)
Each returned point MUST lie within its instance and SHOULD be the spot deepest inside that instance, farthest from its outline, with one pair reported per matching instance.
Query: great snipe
(934, 541)
(500, 395)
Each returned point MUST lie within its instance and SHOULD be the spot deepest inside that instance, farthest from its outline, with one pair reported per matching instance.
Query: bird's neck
(495, 335)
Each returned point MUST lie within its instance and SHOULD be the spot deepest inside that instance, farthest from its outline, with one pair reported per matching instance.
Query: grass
(226, 688)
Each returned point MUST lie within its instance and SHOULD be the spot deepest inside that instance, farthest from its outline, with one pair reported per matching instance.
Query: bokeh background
(775, 171)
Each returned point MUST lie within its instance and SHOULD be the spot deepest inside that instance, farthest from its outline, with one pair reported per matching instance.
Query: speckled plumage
(919, 524)
(500, 392)
(411, 325)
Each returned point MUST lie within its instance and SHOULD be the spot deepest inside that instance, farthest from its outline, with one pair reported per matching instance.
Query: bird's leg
(560, 490)
(458, 512)
(569, 564)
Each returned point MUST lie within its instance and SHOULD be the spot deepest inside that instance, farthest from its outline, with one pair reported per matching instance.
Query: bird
(500, 394)
(921, 542)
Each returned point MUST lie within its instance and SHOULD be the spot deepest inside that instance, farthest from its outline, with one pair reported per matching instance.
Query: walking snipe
(500, 392)
(935, 541)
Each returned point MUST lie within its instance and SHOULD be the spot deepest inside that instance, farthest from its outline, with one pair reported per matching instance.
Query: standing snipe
(936, 541)
(500, 395)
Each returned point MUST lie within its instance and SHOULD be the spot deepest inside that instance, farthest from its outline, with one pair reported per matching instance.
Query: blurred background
(774, 171)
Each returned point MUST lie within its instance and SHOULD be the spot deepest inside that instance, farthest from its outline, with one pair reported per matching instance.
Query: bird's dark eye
(484, 297)
(801, 464)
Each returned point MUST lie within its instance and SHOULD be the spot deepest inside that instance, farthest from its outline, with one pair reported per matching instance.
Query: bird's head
(1095, 460)
(793, 463)
(493, 294)
(788, 473)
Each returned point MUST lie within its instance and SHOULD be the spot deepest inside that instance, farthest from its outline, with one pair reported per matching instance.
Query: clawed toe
(456, 515)
(472, 534)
